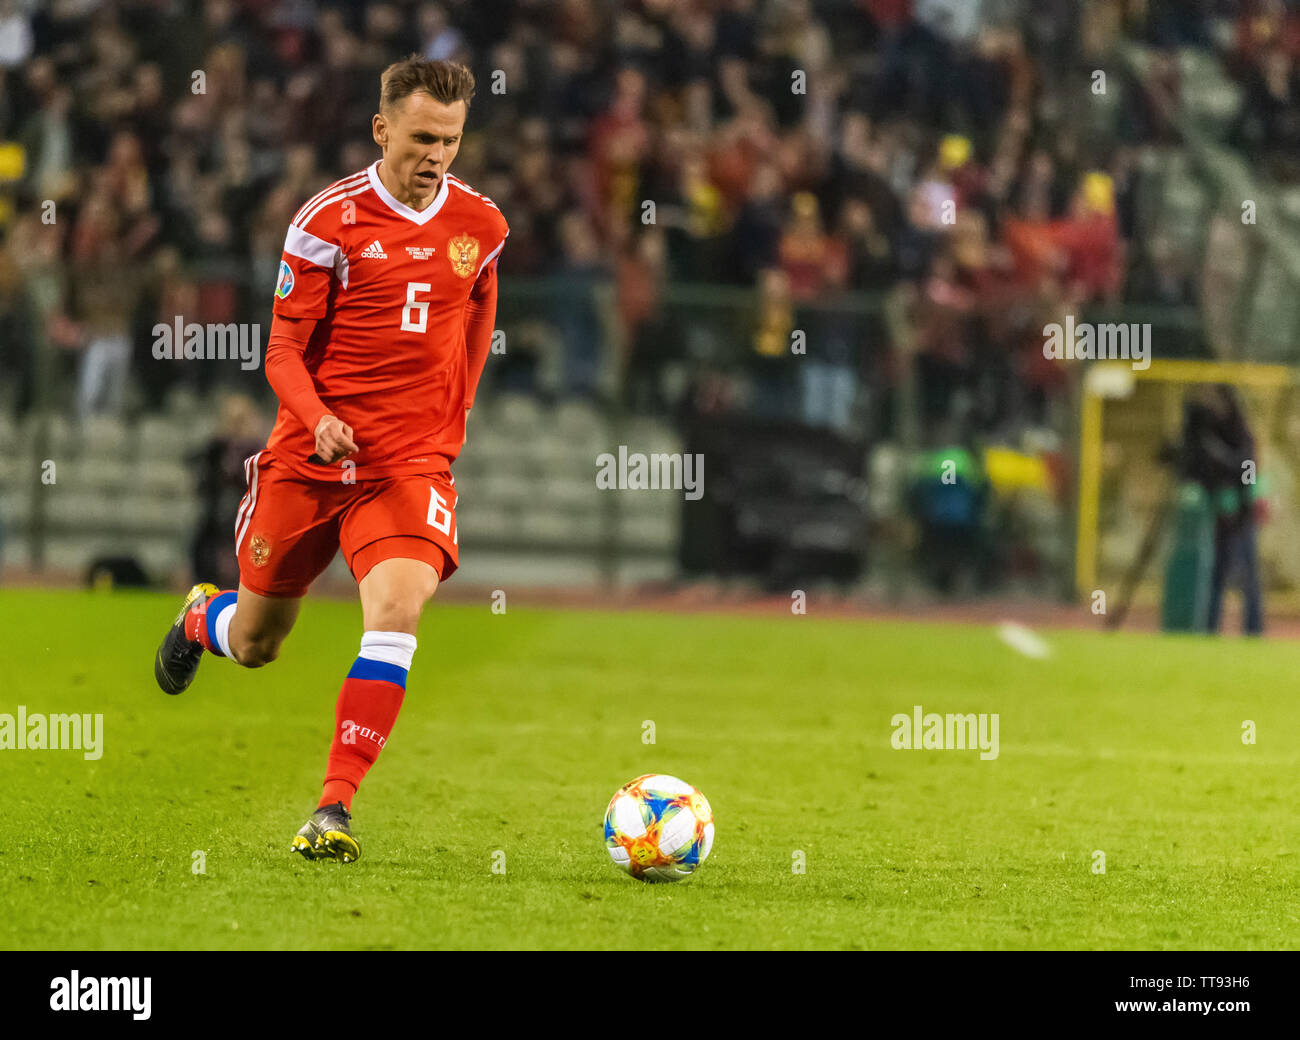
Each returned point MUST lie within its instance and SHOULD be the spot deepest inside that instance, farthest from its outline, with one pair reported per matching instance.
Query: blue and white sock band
(385, 656)
(221, 612)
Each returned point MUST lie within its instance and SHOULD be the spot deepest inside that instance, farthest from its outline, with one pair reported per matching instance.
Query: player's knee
(396, 613)
(394, 617)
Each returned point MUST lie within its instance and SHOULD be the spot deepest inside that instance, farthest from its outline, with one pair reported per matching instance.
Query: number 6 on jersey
(413, 305)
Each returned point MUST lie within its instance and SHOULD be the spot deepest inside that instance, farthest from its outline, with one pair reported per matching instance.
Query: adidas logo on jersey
(374, 251)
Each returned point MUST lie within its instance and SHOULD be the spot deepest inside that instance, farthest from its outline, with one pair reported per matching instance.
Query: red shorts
(289, 527)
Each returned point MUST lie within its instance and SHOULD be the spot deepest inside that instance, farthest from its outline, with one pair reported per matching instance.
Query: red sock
(364, 717)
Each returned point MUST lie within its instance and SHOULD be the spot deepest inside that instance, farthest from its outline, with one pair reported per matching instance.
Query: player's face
(420, 138)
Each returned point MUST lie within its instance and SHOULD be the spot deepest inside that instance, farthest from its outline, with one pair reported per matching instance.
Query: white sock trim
(390, 647)
(222, 628)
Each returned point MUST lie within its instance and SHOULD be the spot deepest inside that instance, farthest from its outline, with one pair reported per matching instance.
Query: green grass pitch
(518, 728)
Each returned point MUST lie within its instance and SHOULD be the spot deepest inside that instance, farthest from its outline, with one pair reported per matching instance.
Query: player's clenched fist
(333, 440)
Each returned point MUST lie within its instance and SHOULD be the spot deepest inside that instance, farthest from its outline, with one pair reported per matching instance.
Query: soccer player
(382, 321)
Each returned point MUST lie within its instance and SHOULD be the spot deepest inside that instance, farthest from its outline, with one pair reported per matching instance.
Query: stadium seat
(161, 558)
(486, 523)
(163, 477)
(13, 469)
(15, 508)
(104, 435)
(570, 493)
(164, 437)
(9, 441)
(62, 439)
(577, 417)
(518, 412)
(68, 509)
(548, 529)
(648, 532)
(70, 553)
(181, 402)
(109, 474)
(585, 527)
(506, 489)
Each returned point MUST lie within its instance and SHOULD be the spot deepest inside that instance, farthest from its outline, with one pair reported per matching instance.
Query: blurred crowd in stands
(1261, 55)
(942, 153)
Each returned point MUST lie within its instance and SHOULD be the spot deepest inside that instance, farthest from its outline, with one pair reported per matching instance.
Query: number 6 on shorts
(439, 514)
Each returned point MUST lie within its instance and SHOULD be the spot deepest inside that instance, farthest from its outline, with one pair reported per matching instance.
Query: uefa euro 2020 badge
(284, 284)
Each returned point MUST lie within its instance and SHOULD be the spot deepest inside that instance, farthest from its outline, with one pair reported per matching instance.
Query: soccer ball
(658, 828)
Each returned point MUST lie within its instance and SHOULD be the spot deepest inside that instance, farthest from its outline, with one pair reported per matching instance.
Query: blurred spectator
(220, 481)
(1161, 275)
(949, 497)
(815, 265)
(618, 142)
(439, 40)
(103, 293)
(169, 293)
(1083, 249)
(46, 134)
(758, 225)
(771, 365)
(1269, 121)
(870, 253)
(697, 221)
(1217, 448)
(195, 131)
(646, 328)
(17, 337)
(581, 276)
(16, 38)
(917, 186)
(813, 261)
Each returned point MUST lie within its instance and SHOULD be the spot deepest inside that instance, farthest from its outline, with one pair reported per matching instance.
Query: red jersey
(389, 287)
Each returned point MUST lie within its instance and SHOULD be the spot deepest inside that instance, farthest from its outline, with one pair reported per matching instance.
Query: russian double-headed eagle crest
(259, 550)
(462, 251)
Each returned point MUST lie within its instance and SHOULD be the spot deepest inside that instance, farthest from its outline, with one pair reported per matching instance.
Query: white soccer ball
(658, 828)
